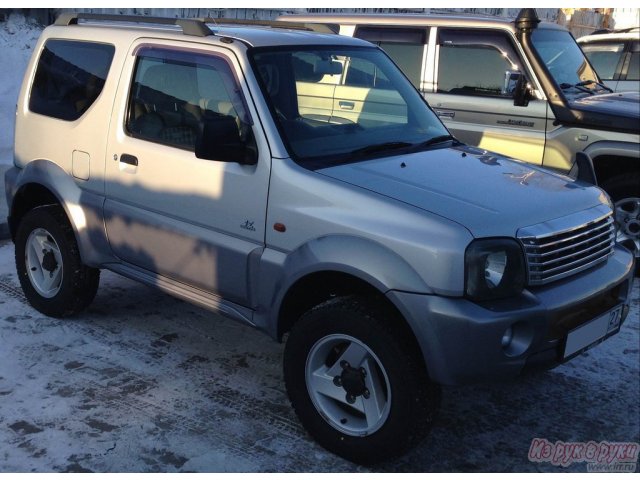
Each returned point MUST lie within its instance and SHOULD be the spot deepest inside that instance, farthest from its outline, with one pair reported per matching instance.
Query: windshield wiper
(387, 146)
(593, 82)
(580, 86)
(577, 86)
(379, 147)
(436, 140)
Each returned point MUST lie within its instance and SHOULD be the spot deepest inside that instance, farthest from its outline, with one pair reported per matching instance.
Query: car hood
(489, 194)
(624, 104)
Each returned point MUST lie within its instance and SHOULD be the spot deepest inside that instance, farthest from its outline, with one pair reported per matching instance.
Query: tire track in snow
(13, 291)
(217, 396)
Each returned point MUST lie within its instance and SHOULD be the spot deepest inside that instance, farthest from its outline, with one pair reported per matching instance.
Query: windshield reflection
(337, 105)
(566, 63)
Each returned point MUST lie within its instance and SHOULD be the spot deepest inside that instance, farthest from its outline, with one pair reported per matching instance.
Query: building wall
(626, 17)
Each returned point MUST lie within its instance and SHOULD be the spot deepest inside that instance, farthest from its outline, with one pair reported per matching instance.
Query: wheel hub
(352, 381)
(628, 222)
(631, 227)
(348, 385)
(49, 262)
(43, 262)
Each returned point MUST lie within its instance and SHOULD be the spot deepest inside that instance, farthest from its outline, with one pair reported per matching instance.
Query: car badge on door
(247, 225)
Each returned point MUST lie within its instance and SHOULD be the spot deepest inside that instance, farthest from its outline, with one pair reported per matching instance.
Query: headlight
(494, 269)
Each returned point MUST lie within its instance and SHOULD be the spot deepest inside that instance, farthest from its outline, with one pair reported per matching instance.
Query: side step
(186, 292)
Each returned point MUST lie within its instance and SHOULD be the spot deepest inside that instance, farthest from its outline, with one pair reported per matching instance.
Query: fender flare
(83, 208)
(364, 259)
(613, 148)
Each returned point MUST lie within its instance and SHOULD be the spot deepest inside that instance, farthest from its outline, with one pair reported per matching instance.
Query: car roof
(264, 36)
(251, 35)
(603, 37)
(411, 20)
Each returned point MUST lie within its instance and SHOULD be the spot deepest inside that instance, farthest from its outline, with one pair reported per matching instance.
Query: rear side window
(69, 77)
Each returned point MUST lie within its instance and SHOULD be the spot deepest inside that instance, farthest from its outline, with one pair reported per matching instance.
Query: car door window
(479, 63)
(405, 46)
(174, 92)
(605, 58)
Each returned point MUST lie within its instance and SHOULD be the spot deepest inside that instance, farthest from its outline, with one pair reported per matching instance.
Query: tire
(51, 273)
(400, 400)
(624, 190)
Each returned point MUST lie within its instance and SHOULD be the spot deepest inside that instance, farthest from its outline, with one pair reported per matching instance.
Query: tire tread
(73, 297)
(425, 395)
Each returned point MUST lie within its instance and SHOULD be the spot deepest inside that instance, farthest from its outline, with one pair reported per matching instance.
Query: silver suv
(520, 87)
(297, 182)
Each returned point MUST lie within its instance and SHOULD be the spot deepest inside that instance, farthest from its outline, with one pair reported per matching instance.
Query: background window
(476, 63)
(363, 73)
(633, 71)
(405, 46)
(69, 78)
(604, 57)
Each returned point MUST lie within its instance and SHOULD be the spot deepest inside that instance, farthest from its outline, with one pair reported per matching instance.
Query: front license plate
(591, 332)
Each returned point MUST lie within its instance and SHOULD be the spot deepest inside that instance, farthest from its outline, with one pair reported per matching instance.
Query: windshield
(337, 105)
(565, 62)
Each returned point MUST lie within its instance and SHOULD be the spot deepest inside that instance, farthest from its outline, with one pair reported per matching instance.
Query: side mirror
(219, 139)
(522, 92)
(511, 78)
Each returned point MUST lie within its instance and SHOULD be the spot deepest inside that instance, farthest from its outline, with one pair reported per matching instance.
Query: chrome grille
(559, 254)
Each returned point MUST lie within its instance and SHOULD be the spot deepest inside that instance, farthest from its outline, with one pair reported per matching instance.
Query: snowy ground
(143, 382)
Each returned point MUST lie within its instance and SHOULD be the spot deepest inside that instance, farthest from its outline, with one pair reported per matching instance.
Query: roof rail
(615, 30)
(314, 27)
(190, 26)
(601, 31)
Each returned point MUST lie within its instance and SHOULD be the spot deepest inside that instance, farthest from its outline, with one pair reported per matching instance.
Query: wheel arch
(613, 159)
(43, 182)
(27, 197)
(337, 266)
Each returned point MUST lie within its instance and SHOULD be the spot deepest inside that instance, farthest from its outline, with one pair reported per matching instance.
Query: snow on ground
(143, 382)
(17, 40)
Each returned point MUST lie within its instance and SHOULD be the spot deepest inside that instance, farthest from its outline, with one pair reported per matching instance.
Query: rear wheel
(357, 381)
(51, 273)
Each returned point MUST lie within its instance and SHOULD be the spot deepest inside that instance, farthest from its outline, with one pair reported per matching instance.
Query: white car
(616, 57)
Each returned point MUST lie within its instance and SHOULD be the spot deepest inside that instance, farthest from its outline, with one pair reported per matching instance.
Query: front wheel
(357, 381)
(51, 273)
(625, 193)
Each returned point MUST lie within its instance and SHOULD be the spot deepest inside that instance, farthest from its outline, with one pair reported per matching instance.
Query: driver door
(191, 220)
(474, 80)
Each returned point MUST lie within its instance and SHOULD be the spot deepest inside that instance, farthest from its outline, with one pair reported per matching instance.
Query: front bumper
(462, 341)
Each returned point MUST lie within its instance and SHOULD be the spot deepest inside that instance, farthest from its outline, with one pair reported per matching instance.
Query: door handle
(346, 105)
(445, 113)
(129, 159)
